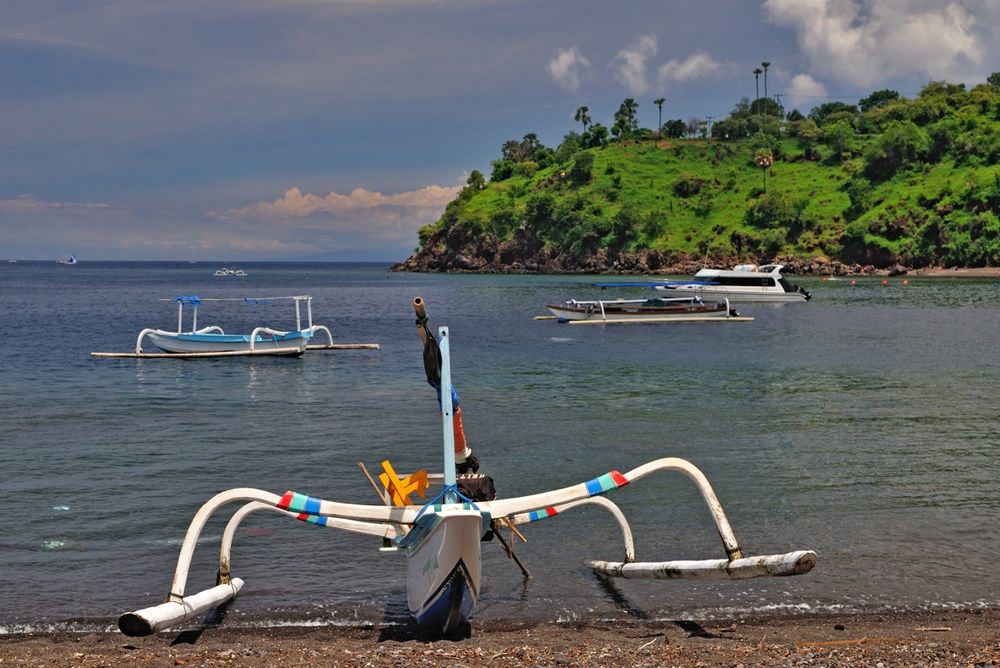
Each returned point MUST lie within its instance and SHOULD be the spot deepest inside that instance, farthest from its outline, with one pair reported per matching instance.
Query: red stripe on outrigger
(619, 479)
(286, 500)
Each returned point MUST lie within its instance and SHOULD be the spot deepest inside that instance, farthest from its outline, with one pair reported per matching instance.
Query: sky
(332, 130)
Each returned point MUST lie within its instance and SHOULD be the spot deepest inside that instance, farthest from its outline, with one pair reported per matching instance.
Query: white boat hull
(443, 568)
(171, 342)
(734, 295)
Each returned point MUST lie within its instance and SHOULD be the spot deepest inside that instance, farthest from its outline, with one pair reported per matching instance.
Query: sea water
(862, 424)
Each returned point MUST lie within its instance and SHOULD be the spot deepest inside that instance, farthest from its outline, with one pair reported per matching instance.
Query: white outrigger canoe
(441, 539)
(213, 339)
(641, 310)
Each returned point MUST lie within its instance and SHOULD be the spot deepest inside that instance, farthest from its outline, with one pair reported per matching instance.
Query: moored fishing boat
(229, 271)
(641, 310)
(213, 339)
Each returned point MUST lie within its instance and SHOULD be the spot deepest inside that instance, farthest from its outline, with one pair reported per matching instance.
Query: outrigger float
(212, 341)
(441, 539)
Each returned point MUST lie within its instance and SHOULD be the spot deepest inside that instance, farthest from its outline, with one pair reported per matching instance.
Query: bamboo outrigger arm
(380, 530)
(326, 330)
(264, 330)
(180, 608)
(153, 330)
(607, 504)
(541, 503)
(734, 566)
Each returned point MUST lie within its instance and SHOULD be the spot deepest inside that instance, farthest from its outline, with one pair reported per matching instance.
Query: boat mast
(447, 425)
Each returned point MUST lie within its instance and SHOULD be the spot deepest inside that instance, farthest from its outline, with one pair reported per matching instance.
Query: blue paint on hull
(450, 606)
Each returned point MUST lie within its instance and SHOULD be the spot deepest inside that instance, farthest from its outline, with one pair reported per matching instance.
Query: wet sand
(954, 638)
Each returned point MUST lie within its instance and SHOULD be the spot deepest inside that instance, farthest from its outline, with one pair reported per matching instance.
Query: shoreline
(978, 272)
(947, 638)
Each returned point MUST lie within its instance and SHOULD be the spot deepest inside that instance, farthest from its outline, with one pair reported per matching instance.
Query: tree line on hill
(896, 159)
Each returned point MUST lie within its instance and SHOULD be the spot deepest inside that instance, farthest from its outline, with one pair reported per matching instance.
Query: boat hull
(443, 568)
(734, 295)
(635, 312)
(214, 343)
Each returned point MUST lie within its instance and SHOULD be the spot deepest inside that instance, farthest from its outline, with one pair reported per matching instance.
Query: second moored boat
(673, 309)
(213, 339)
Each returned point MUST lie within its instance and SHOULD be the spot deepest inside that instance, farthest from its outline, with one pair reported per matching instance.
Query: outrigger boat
(441, 539)
(229, 271)
(213, 339)
(641, 310)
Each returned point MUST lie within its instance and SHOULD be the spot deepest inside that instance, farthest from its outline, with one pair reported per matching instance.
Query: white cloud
(567, 67)
(805, 91)
(630, 64)
(862, 42)
(373, 216)
(28, 203)
(295, 204)
(696, 65)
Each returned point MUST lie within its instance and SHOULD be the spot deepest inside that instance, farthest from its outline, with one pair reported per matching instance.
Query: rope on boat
(448, 489)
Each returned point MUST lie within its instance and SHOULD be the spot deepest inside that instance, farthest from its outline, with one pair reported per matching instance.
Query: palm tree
(756, 80)
(659, 116)
(583, 116)
(625, 121)
(765, 65)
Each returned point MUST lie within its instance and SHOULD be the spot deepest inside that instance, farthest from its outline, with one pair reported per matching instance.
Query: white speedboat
(742, 283)
(213, 339)
(640, 310)
(229, 271)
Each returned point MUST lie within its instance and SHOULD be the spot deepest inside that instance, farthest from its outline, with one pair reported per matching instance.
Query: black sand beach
(954, 638)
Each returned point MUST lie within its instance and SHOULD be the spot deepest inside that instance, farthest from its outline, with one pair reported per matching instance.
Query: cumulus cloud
(862, 42)
(295, 204)
(695, 66)
(803, 90)
(567, 67)
(377, 217)
(630, 64)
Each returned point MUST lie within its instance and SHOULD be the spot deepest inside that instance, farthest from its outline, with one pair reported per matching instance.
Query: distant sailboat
(71, 260)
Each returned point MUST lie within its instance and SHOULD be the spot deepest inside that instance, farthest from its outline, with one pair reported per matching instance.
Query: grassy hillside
(911, 182)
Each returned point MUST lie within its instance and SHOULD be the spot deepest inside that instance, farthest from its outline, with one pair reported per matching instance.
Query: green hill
(890, 181)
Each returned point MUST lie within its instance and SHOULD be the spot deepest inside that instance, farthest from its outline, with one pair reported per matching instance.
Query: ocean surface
(863, 424)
